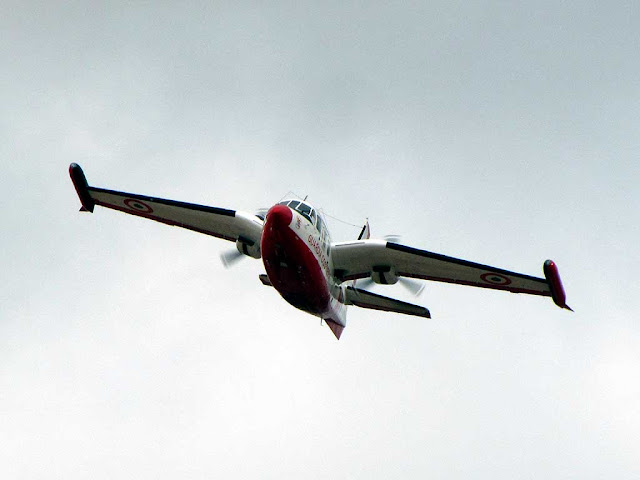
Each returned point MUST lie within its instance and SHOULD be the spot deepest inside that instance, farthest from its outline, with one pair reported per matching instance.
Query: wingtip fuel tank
(555, 284)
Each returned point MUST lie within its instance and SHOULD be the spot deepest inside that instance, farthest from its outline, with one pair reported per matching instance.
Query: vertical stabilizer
(365, 233)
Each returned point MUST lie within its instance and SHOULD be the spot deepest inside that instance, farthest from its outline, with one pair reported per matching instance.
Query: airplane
(306, 268)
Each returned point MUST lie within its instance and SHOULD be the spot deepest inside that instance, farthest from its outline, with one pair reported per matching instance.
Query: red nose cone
(279, 216)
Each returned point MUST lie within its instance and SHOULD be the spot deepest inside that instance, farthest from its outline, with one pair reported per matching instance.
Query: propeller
(231, 257)
(413, 286)
(262, 213)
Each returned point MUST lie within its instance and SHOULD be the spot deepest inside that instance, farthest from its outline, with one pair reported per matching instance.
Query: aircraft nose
(279, 216)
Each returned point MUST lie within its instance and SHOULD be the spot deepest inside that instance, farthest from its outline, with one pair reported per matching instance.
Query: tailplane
(365, 299)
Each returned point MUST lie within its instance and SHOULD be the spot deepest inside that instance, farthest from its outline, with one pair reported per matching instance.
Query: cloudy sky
(498, 132)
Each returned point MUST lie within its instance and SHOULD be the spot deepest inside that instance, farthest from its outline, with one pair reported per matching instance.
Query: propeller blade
(262, 213)
(392, 238)
(230, 257)
(364, 283)
(414, 286)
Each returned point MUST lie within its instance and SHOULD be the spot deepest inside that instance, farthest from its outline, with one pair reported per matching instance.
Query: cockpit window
(305, 210)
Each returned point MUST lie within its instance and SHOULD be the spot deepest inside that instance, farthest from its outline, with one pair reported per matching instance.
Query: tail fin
(365, 233)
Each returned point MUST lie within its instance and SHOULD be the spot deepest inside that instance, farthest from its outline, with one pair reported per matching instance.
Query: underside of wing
(360, 259)
(218, 222)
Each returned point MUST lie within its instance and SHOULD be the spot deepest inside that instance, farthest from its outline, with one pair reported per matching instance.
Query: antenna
(290, 194)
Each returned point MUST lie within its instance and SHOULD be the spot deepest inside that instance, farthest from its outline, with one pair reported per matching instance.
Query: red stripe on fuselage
(292, 267)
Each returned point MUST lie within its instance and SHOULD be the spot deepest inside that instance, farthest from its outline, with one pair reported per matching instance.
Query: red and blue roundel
(138, 205)
(495, 279)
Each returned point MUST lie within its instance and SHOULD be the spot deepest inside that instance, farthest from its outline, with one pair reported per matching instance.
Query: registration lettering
(315, 245)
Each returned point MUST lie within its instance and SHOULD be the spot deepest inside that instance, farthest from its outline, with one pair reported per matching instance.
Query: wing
(360, 259)
(218, 222)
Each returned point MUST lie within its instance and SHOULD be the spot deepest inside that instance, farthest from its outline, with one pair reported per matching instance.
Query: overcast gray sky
(499, 132)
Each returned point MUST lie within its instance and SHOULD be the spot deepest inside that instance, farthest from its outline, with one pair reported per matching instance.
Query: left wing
(387, 260)
(219, 222)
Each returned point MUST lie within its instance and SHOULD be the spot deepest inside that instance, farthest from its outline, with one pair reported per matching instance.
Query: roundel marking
(495, 279)
(137, 205)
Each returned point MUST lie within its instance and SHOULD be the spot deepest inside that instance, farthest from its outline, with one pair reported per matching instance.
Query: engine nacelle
(384, 275)
(248, 247)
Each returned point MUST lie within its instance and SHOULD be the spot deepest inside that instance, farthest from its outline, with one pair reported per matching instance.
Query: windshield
(303, 209)
(310, 214)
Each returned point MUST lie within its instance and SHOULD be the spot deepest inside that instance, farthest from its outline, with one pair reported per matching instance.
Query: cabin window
(320, 226)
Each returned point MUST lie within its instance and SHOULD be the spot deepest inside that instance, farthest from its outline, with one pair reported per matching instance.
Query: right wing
(218, 222)
(359, 259)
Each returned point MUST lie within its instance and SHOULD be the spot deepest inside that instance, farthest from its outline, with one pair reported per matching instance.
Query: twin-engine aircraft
(306, 268)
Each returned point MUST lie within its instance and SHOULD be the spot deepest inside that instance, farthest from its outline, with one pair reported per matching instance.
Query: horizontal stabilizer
(365, 299)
